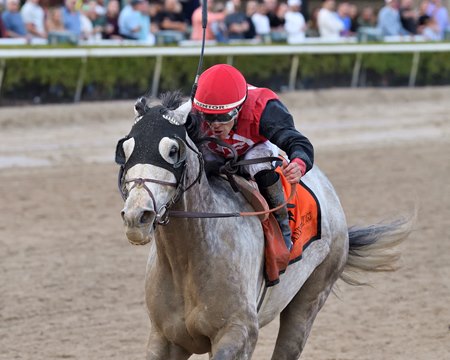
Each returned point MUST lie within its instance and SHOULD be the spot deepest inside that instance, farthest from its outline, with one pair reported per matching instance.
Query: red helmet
(221, 88)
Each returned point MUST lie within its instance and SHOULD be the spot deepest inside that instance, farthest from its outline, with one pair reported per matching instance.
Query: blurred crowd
(172, 21)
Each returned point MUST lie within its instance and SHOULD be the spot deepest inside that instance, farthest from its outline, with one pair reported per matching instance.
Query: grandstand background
(48, 78)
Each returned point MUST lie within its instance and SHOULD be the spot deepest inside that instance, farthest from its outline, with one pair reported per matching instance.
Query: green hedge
(112, 78)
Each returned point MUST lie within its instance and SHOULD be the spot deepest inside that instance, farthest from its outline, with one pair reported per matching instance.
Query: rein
(230, 168)
(164, 213)
(200, 215)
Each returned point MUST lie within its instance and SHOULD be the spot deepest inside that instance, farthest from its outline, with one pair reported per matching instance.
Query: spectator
(214, 22)
(250, 9)
(439, 12)
(367, 18)
(12, 20)
(408, 16)
(422, 16)
(131, 20)
(430, 29)
(124, 14)
(71, 18)
(2, 28)
(188, 8)
(236, 21)
(171, 17)
(275, 13)
(354, 15)
(97, 14)
(34, 18)
(111, 27)
(330, 26)
(87, 29)
(295, 24)
(91, 21)
(145, 34)
(261, 21)
(343, 12)
(54, 22)
(312, 28)
(389, 23)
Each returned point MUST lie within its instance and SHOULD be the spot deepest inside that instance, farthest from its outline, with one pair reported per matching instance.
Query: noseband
(162, 214)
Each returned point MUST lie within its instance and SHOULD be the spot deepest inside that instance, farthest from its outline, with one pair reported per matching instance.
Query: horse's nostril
(122, 213)
(147, 217)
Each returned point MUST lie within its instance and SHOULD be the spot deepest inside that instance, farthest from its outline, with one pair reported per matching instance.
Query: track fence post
(157, 76)
(80, 82)
(414, 69)
(2, 73)
(293, 73)
(356, 70)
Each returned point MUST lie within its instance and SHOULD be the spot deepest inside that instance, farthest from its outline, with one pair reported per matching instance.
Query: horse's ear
(140, 106)
(181, 113)
(120, 152)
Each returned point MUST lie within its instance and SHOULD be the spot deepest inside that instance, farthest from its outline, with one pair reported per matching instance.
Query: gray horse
(204, 287)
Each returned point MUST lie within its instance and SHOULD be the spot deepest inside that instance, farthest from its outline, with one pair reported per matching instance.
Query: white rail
(230, 51)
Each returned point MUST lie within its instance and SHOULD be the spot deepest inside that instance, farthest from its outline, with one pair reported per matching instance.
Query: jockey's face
(221, 124)
(221, 129)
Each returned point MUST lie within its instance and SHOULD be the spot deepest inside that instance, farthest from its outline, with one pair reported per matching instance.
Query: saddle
(304, 220)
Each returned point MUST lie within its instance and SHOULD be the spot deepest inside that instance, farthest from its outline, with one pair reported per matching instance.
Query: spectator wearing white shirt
(328, 21)
(260, 20)
(34, 18)
(294, 25)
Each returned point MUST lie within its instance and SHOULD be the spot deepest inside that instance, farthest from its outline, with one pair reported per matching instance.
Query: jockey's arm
(277, 125)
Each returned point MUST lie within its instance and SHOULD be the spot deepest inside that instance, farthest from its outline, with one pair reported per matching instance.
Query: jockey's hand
(294, 170)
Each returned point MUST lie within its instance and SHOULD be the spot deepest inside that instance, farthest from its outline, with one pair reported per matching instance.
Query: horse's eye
(173, 151)
(169, 148)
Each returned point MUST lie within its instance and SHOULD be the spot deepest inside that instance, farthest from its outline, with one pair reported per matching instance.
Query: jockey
(256, 123)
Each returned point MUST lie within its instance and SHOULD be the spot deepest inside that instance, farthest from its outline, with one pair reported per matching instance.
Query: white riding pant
(258, 151)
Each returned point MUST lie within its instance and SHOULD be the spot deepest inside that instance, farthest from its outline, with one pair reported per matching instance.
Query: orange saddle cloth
(305, 222)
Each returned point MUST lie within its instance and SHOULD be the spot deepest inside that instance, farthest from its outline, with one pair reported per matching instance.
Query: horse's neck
(187, 240)
(190, 250)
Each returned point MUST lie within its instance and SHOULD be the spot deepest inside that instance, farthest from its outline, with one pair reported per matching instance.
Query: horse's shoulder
(223, 189)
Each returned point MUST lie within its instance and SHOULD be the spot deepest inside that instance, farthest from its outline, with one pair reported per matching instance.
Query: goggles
(220, 118)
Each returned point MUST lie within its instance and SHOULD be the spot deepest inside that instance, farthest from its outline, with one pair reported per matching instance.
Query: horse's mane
(169, 100)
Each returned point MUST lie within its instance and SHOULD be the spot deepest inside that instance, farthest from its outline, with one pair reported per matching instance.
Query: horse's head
(153, 165)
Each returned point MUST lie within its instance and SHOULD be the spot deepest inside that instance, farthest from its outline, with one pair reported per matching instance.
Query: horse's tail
(372, 248)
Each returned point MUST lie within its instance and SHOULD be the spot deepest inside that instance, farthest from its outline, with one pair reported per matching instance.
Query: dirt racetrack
(71, 286)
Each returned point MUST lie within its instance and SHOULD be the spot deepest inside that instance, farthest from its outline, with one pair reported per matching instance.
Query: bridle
(162, 214)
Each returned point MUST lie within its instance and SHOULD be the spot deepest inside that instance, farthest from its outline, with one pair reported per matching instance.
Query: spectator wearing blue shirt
(145, 34)
(131, 20)
(439, 12)
(71, 18)
(343, 12)
(12, 20)
(389, 23)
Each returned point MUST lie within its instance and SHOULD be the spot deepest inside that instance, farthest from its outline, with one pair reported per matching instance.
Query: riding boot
(270, 187)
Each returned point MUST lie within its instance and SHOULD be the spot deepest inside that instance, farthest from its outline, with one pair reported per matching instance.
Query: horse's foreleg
(159, 348)
(235, 341)
(297, 318)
